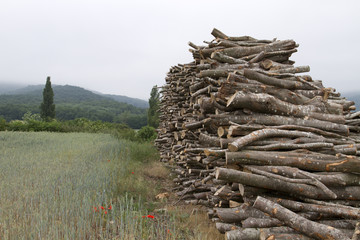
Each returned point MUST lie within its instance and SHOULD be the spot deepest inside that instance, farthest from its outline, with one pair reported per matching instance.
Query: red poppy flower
(105, 212)
(143, 216)
(95, 209)
(102, 207)
(132, 172)
(150, 216)
(110, 207)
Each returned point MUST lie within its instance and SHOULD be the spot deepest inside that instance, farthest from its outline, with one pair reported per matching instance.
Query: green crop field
(74, 186)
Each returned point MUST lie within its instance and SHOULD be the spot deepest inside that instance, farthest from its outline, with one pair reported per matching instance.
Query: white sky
(126, 47)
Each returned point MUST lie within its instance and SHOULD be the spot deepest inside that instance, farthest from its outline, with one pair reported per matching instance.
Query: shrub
(17, 125)
(3, 124)
(125, 133)
(146, 133)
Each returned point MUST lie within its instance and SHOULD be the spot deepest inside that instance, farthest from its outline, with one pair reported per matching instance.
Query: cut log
(225, 227)
(276, 120)
(265, 103)
(335, 179)
(238, 52)
(356, 235)
(301, 224)
(261, 222)
(305, 161)
(338, 211)
(281, 83)
(236, 215)
(243, 233)
(266, 133)
(255, 180)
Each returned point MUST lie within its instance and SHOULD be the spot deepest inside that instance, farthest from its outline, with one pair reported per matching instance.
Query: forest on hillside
(71, 103)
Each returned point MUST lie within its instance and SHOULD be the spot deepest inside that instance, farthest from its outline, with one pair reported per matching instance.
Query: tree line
(13, 107)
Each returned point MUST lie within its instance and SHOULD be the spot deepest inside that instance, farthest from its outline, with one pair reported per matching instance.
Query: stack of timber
(271, 152)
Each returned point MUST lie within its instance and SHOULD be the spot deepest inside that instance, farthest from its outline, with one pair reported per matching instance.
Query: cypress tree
(153, 114)
(47, 108)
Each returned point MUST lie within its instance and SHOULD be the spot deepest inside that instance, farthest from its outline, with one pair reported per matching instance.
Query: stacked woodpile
(271, 152)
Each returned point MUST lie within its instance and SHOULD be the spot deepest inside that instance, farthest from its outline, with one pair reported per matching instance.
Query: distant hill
(71, 102)
(33, 89)
(133, 101)
(8, 87)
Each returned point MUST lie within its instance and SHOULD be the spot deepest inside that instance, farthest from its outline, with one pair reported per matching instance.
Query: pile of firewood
(271, 152)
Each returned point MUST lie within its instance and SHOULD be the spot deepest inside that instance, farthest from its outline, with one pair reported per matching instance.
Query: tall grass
(54, 186)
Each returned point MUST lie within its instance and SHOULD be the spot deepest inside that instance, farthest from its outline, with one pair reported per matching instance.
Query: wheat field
(66, 186)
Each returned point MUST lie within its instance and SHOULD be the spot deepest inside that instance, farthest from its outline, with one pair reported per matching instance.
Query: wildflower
(105, 212)
(132, 172)
(150, 216)
(110, 207)
(102, 208)
(95, 209)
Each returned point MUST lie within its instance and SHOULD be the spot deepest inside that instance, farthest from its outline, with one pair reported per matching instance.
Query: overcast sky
(126, 47)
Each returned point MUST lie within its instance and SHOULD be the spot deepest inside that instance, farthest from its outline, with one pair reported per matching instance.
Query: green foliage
(28, 116)
(3, 124)
(146, 133)
(47, 107)
(71, 103)
(153, 111)
(33, 123)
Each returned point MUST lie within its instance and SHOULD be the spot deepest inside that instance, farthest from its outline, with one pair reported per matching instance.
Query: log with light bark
(356, 235)
(299, 189)
(306, 161)
(236, 215)
(266, 133)
(335, 179)
(301, 224)
(272, 81)
(276, 120)
(265, 103)
(225, 227)
(238, 52)
(335, 211)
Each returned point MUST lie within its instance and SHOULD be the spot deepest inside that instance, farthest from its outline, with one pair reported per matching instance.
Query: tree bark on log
(305, 161)
(340, 212)
(276, 120)
(290, 146)
(238, 52)
(255, 180)
(261, 222)
(236, 215)
(265, 103)
(301, 224)
(225, 227)
(334, 179)
(356, 235)
(285, 236)
(226, 59)
(229, 88)
(266, 133)
(281, 83)
(243, 233)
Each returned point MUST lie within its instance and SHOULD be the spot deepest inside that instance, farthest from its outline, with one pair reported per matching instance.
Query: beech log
(306, 161)
(301, 224)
